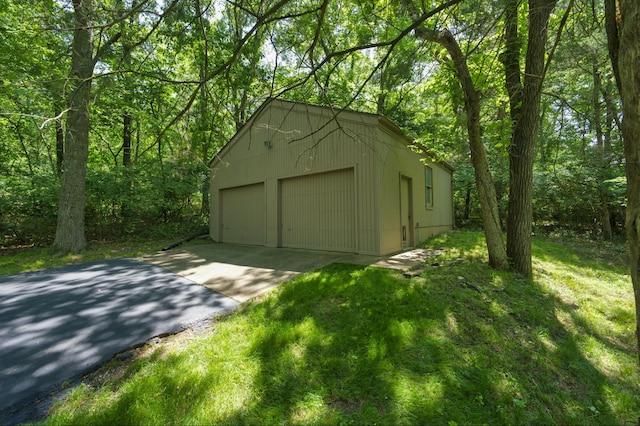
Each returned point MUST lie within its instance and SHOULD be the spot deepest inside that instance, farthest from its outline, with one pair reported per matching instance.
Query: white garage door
(243, 215)
(318, 211)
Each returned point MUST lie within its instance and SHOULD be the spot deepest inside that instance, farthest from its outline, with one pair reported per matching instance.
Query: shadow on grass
(353, 345)
(593, 287)
(606, 257)
(369, 346)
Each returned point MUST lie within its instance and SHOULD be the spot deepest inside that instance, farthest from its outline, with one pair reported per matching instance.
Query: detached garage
(305, 176)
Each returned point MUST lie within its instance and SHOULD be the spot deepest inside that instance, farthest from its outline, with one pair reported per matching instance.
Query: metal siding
(243, 215)
(390, 216)
(442, 213)
(318, 211)
(425, 221)
(305, 140)
(406, 200)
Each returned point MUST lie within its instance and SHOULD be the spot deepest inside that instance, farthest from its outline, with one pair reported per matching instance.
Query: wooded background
(167, 83)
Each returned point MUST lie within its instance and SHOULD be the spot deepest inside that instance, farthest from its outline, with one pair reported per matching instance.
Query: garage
(306, 176)
(243, 214)
(317, 211)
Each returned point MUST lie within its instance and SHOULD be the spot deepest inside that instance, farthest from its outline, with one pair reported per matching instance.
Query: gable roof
(383, 121)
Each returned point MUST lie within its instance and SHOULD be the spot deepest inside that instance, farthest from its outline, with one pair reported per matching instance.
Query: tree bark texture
(510, 58)
(70, 236)
(127, 130)
(484, 180)
(522, 148)
(59, 137)
(623, 32)
(605, 219)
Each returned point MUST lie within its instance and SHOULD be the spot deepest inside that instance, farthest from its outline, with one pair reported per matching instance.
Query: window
(428, 183)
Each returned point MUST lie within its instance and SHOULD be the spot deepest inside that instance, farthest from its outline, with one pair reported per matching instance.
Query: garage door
(243, 215)
(318, 211)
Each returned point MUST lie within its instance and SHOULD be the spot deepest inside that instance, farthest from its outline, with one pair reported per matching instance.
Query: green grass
(353, 345)
(18, 260)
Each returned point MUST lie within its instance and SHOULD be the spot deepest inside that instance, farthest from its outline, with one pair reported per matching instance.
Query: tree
(579, 172)
(623, 32)
(163, 101)
(525, 104)
(70, 236)
(484, 180)
(70, 229)
(524, 100)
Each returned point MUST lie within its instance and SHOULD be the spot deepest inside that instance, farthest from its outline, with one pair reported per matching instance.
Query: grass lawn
(17, 260)
(460, 344)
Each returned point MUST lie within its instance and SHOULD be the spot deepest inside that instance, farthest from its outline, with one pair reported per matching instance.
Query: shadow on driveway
(59, 323)
(243, 272)
(238, 271)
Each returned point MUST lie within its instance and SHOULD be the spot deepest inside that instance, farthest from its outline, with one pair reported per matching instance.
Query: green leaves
(189, 79)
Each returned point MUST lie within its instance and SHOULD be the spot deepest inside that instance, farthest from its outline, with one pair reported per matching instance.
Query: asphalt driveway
(59, 323)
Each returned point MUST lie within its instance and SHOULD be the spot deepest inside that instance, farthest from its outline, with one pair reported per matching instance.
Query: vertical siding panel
(389, 192)
(318, 211)
(325, 150)
(243, 215)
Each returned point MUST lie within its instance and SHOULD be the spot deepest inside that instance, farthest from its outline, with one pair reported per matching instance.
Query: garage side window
(428, 183)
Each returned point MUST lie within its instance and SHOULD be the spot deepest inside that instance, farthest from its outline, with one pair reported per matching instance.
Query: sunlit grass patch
(464, 245)
(596, 292)
(460, 344)
(14, 261)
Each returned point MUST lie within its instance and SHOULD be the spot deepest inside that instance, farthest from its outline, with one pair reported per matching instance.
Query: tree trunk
(127, 130)
(59, 136)
(603, 163)
(467, 203)
(623, 33)
(510, 59)
(70, 236)
(484, 180)
(127, 119)
(522, 148)
(201, 133)
(202, 137)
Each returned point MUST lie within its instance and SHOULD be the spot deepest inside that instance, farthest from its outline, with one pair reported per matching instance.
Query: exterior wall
(440, 217)
(317, 211)
(401, 162)
(241, 212)
(388, 187)
(286, 140)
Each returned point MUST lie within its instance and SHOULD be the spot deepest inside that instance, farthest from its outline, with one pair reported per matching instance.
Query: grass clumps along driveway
(459, 344)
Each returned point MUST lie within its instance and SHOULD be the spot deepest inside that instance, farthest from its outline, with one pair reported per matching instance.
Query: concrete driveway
(244, 272)
(238, 271)
(59, 323)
